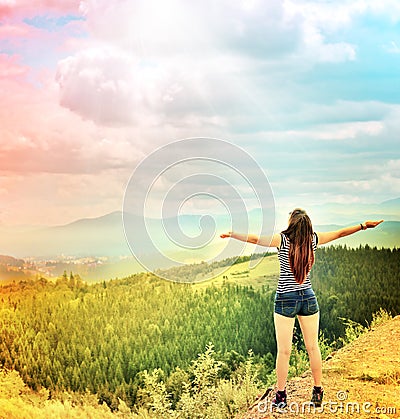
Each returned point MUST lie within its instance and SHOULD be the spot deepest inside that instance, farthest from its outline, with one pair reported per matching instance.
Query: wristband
(362, 227)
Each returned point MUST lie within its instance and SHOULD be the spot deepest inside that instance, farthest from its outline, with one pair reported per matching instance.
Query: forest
(116, 338)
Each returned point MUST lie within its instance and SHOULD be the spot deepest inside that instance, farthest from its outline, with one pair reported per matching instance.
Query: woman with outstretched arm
(294, 295)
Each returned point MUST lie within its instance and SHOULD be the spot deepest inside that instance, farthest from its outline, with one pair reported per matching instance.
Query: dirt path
(361, 380)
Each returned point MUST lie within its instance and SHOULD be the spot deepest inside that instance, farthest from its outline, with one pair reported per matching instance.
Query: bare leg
(284, 335)
(309, 327)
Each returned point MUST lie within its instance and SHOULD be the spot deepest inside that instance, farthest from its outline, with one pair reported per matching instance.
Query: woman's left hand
(372, 224)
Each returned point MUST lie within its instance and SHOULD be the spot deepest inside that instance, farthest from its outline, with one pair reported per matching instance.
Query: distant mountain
(391, 203)
(92, 236)
(345, 213)
(104, 236)
(386, 234)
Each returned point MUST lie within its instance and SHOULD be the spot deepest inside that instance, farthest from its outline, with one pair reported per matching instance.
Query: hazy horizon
(104, 236)
(344, 211)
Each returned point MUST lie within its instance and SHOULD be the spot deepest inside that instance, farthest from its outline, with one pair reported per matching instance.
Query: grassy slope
(264, 272)
(365, 371)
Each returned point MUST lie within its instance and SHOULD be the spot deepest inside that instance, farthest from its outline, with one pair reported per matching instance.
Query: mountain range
(104, 236)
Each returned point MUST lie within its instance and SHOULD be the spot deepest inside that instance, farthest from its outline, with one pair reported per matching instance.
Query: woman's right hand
(372, 224)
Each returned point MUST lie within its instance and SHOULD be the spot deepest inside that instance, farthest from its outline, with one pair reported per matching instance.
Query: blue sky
(310, 89)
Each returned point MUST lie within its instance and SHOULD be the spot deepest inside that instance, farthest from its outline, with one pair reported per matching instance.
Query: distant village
(10, 267)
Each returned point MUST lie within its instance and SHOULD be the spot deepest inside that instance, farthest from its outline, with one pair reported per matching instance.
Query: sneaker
(280, 400)
(317, 396)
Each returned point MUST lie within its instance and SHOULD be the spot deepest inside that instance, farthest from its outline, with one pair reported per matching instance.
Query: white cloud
(338, 52)
(105, 85)
(387, 8)
(318, 20)
(154, 62)
(340, 131)
(154, 28)
(332, 16)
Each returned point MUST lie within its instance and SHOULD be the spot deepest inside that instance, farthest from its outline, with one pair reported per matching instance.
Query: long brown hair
(300, 235)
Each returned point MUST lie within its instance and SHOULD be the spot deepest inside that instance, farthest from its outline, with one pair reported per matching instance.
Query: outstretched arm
(267, 241)
(328, 236)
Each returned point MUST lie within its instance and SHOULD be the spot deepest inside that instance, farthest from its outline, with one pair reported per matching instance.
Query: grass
(262, 272)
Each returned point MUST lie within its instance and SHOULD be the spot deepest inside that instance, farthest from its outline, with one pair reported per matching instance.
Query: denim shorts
(302, 302)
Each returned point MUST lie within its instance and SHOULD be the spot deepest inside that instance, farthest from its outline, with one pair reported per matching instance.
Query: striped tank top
(287, 282)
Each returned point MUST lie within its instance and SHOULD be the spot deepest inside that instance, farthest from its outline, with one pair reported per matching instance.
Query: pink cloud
(11, 68)
(38, 135)
(27, 8)
(35, 43)
(13, 31)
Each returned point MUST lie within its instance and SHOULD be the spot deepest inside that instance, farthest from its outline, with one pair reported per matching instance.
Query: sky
(88, 89)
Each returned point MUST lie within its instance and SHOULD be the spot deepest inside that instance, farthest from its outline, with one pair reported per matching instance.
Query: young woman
(295, 296)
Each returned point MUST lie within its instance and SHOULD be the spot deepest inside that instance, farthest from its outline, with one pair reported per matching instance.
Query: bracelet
(362, 227)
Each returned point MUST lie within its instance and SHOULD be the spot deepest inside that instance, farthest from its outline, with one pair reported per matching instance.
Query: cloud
(261, 30)
(327, 162)
(11, 8)
(111, 87)
(171, 63)
(102, 85)
(337, 131)
(13, 31)
(11, 68)
(40, 32)
(154, 28)
(333, 16)
(38, 135)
